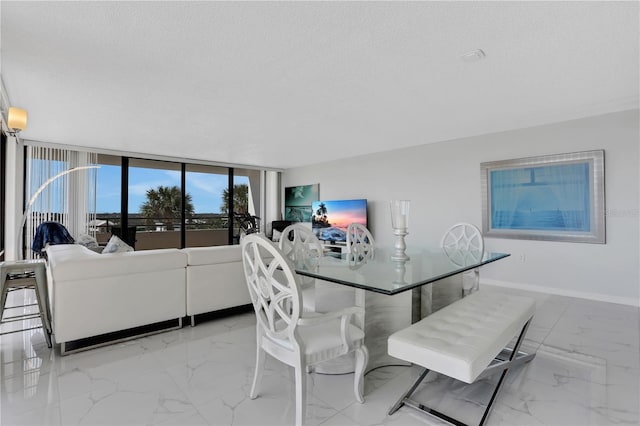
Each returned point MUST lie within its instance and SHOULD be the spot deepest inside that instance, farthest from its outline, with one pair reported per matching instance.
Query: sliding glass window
(206, 188)
(155, 192)
(246, 198)
(155, 204)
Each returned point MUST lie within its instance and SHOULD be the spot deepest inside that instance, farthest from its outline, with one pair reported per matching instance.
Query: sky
(205, 188)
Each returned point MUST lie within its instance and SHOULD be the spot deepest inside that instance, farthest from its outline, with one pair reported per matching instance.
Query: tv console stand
(334, 247)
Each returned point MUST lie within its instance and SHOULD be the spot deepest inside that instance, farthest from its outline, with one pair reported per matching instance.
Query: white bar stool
(22, 275)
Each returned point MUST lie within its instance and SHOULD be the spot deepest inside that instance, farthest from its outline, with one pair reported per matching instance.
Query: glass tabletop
(383, 275)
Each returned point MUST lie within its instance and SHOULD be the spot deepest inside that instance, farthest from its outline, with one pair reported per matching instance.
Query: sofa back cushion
(212, 255)
(75, 262)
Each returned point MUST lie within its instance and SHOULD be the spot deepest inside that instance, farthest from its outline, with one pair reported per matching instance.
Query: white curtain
(69, 199)
(548, 198)
(506, 187)
(569, 185)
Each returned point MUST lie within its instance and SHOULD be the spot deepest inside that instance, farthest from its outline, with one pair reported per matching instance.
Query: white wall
(14, 197)
(443, 183)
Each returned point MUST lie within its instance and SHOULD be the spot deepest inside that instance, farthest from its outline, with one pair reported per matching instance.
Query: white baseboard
(561, 292)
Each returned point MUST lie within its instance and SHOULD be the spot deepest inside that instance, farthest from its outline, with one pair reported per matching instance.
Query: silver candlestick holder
(400, 224)
(400, 272)
(400, 246)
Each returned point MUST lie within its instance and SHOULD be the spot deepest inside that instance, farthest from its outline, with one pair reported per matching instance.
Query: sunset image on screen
(330, 219)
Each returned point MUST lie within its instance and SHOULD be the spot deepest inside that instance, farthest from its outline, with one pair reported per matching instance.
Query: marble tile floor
(586, 372)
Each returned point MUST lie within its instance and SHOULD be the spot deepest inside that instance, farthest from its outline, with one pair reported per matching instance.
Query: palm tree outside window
(163, 207)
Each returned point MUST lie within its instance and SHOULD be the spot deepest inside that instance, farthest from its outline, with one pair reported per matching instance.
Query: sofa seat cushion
(75, 262)
(211, 255)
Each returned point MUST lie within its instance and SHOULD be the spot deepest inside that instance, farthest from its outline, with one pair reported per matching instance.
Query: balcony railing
(155, 233)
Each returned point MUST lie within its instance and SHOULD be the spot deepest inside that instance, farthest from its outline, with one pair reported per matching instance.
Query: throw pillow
(116, 245)
(275, 237)
(88, 241)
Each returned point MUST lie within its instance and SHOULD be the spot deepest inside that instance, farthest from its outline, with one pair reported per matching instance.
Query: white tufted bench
(465, 340)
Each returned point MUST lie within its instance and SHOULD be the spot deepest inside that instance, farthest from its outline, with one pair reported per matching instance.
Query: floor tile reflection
(586, 372)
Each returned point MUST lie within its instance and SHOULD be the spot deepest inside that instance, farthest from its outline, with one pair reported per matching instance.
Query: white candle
(402, 221)
(400, 214)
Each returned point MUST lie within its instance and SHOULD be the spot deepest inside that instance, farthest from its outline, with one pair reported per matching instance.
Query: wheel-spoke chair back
(285, 332)
(273, 290)
(464, 245)
(360, 242)
(301, 246)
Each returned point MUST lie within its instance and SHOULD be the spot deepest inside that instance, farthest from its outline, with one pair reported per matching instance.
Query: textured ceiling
(285, 84)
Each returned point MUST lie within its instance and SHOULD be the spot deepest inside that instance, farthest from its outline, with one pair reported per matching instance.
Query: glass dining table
(381, 274)
(382, 288)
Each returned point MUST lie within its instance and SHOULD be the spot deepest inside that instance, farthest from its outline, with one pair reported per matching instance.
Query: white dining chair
(360, 242)
(296, 338)
(300, 245)
(463, 244)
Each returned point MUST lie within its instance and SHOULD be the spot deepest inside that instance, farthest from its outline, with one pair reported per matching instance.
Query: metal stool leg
(5, 290)
(46, 328)
(35, 275)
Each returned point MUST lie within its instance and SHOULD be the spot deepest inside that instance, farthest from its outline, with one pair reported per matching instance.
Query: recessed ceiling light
(473, 56)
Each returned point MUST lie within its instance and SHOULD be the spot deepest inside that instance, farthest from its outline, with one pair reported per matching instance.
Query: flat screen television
(330, 219)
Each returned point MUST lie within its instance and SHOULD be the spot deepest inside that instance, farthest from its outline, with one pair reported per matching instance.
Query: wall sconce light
(16, 120)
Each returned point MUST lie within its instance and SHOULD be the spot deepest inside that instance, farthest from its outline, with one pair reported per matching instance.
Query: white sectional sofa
(215, 279)
(94, 294)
